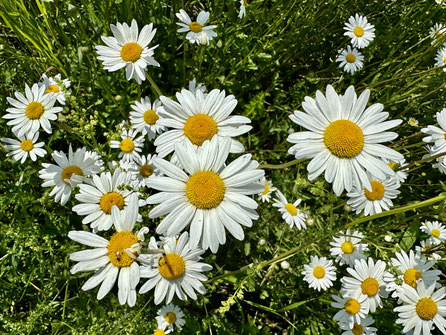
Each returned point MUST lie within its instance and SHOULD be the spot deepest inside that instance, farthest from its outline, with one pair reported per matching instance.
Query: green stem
(282, 166)
(427, 159)
(154, 85)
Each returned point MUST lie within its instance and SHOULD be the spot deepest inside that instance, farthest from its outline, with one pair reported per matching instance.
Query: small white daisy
(290, 213)
(440, 162)
(142, 171)
(427, 248)
(242, 12)
(265, 195)
(320, 273)
(170, 315)
(30, 112)
(436, 231)
(440, 58)
(68, 172)
(145, 117)
(351, 59)
(352, 309)
(347, 247)
(178, 271)
(362, 328)
(360, 31)
(437, 135)
(57, 86)
(412, 122)
(400, 174)
(437, 32)
(128, 48)
(196, 28)
(193, 87)
(24, 147)
(130, 145)
(162, 331)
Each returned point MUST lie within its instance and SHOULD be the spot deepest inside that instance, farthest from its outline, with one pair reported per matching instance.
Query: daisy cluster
(438, 35)
(437, 138)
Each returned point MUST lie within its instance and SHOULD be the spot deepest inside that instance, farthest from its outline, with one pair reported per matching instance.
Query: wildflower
(25, 147)
(196, 28)
(290, 213)
(351, 59)
(320, 273)
(360, 31)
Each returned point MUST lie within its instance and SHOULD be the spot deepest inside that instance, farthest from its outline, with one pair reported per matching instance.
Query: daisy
(265, 195)
(352, 309)
(128, 48)
(344, 139)
(145, 117)
(178, 271)
(24, 147)
(68, 172)
(421, 309)
(208, 195)
(440, 162)
(111, 259)
(362, 328)
(200, 117)
(440, 58)
(347, 247)
(142, 171)
(98, 199)
(377, 200)
(320, 273)
(360, 31)
(437, 135)
(162, 331)
(290, 213)
(242, 12)
(170, 315)
(437, 32)
(193, 87)
(57, 86)
(412, 122)
(426, 247)
(351, 59)
(400, 175)
(436, 231)
(30, 112)
(196, 28)
(129, 145)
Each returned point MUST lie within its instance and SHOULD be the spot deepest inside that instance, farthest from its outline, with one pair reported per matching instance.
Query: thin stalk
(154, 85)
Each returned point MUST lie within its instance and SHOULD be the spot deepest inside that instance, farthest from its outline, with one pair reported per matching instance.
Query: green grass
(281, 52)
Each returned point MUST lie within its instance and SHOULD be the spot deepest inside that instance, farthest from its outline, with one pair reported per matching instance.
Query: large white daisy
(350, 59)
(145, 118)
(344, 139)
(200, 117)
(290, 213)
(57, 86)
(360, 31)
(436, 135)
(130, 145)
(347, 247)
(195, 29)
(25, 147)
(320, 273)
(170, 316)
(128, 48)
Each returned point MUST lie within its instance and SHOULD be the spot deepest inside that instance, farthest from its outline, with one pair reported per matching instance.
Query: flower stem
(154, 85)
(282, 166)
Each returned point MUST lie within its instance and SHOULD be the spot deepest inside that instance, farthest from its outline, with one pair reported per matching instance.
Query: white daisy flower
(170, 315)
(351, 59)
(178, 271)
(98, 199)
(440, 58)
(143, 171)
(30, 112)
(421, 309)
(162, 331)
(352, 309)
(128, 48)
(367, 281)
(242, 12)
(436, 231)
(112, 259)
(196, 28)
(427, 248)
(290, 213)
(265, 195)
(377, 200)
(24, 147)
(400, 175)
(130, 145)
(360, 31)
(320, 273)
(57, 86)
(344, 139)
(412, 122)
(200, 117)
(362, 328)
(68, 172)
(437, 135)
(208, 195)
(347, 247)
(437, 32)
(439, 163)
(145, 117)
(193, 87)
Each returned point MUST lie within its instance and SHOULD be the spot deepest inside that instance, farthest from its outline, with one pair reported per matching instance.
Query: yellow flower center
(444, 59)
(34, 110)
(391, 165)
(150, 116)
(291, 209)
(377, 191)
(435, 232)
(352, 306)
(347, 247)
(118, 243)
(199, 128)
(171, 317)
(27, 145)
(108, 200)
(159, 332)
(344, 138)
(358, 31)
(319, 272)
(146, 170)
(412, 122)
(370, 287)
(68, 172)
(265, 192)
(351, 58)
(52, 89)
(357, 329)
(131, 52)
(205, 189)
(127, 145)
(171, 266)
(426, 308)
(411, 276)
(195, 27)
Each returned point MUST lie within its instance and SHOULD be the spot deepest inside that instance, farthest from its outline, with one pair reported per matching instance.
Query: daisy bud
(203, 39)
(285, 265)
(388, 238)
(262, 241)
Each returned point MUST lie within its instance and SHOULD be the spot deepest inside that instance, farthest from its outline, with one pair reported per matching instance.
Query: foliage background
(270, 60)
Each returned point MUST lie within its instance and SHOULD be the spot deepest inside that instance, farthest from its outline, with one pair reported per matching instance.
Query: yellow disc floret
(205, 189)
(108, 200)
(199, 128)
(291, 209)
(265, 192)
(68, 172)
(377, 191)
(352, 306)
(319, 272)
(127, 145)
(118, 243)
(150, 116)
(171, 266)
(351, 58)
(435, 232)
(195, 27)
(159, 332)
(347, 247)
(411, 276)
(170, 317)
(344, 138)
(34, 110)
(131, 52)
(52, 89)
(357, 329)
(370, 286)
(27, 145)
(358, 31)
(426, 308)
(146, 170)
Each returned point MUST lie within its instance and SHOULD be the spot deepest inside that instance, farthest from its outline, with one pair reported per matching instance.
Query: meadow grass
(270, 60)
